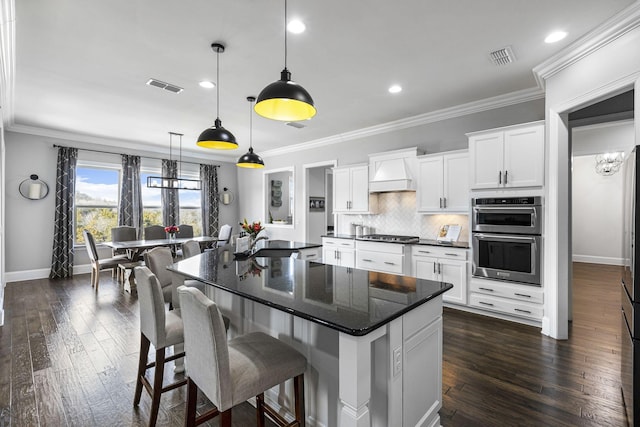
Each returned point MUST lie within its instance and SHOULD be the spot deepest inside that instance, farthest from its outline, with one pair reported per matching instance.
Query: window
(96, 201)
(190, 209)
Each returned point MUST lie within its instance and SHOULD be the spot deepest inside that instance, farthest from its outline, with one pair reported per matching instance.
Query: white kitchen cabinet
(509, 157)
(350, 293)
(508, 298)
(338, 251)
(383, 257)
(443, 265)
(443, 183)
(351, 190)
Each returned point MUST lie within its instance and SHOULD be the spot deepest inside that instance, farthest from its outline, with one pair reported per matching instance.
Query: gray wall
(445, 135)
(29, 223)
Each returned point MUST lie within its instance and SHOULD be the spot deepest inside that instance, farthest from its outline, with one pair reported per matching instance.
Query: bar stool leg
(260, 409)
(157, 386)
(192, 399)
(142, 365)
(298, 388)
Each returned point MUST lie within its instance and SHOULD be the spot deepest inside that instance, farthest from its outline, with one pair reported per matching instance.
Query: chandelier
(609, 163)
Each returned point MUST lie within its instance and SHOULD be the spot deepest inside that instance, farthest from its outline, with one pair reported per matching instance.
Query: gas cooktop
(390, 238)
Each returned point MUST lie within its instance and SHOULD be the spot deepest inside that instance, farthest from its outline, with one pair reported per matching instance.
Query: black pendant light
(284, 99)
(216, 136)
(250, 159)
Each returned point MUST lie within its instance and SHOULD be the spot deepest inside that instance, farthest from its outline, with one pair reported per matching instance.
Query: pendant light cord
(285, 34)
(251, 124)
(218, 83)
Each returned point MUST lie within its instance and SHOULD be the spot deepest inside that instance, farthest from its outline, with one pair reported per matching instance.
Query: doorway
(318, 200)
(601, 135)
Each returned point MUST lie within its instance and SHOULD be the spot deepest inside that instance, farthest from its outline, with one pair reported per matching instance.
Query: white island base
(389, 377)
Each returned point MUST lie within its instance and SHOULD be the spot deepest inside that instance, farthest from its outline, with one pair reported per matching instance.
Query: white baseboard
(41, 273)
(597, 259)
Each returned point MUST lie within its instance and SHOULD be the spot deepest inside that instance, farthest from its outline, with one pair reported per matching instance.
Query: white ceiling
(81, 66)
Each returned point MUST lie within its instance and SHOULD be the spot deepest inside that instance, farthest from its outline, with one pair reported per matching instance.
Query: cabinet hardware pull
(439, 268)
(434, 268)
(522, 311)
(444, 204)
(522, 295)
(499, 177)
(486, 289)
(440, 205)
(309, 255)
(390, 263)
(367, 260)
(506, 177)
(450, 254)
(485, 303)
(424, 252)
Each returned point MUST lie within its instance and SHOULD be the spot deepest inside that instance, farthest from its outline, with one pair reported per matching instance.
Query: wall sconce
(226, 197)
(609, 163)
(33, 188)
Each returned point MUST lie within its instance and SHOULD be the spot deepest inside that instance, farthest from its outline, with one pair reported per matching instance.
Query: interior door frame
(306, 194)
(557, 221)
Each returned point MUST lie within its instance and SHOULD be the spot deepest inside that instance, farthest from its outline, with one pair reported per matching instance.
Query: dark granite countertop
(285, 244)
(352, 301)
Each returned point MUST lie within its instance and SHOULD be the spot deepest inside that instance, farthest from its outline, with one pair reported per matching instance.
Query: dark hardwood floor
(68, 357)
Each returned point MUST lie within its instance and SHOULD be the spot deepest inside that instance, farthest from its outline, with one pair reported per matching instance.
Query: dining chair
(157, 260)
(231, 372)
(184, 231)
(98, 264)
(190, 248)
(124, 233)
(224, 236)
(154, 232)
(160, 328)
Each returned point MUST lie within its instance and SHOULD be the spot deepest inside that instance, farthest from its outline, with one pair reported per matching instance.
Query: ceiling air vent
(296, 125)
(502, 56)
(166, 86)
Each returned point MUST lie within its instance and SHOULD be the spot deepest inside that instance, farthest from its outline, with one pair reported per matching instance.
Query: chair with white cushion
(224, 236)
(230, 372)
(97, 263)
(160, 328)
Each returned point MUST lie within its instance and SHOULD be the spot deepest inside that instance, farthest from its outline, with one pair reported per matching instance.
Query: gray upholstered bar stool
(230, 372)
(160, 328)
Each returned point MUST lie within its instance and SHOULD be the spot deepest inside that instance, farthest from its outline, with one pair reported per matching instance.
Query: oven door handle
(503, 238)
(504, 208)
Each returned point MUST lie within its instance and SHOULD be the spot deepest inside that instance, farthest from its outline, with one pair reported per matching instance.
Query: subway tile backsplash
(397, 215)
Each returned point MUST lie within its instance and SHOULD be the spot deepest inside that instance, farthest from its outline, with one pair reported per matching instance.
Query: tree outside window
(96, 202)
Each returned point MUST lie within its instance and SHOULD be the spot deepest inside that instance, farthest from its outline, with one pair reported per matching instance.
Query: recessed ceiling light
(395, 89)
(556, 36)
(296, 26)
(207, 84)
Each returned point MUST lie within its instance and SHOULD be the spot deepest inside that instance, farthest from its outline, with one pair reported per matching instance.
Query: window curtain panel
(209, 199)
(130, 210)
(62, 257)
(169, 196)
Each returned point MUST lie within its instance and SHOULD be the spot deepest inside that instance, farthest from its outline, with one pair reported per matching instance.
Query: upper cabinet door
(456, 182)
(359, 189)
(487, 158)
(524, 157)
(341, 190)
(430, 185)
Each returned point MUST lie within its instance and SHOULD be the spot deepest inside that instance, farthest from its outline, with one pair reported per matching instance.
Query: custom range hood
(393, 170)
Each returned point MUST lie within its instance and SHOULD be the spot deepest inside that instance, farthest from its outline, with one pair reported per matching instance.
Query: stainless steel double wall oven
(507, 238)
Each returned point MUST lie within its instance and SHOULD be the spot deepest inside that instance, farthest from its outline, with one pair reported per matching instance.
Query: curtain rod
(110, 152)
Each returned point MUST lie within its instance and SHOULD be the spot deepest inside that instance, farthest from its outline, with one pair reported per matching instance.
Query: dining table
(134, 249)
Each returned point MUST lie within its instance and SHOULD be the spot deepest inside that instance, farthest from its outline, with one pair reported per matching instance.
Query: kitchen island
(373, 341)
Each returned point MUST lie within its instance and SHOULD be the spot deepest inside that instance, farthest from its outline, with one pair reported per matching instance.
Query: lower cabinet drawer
(308, 254)
(507, 290)
(507, 306)
(379, 261)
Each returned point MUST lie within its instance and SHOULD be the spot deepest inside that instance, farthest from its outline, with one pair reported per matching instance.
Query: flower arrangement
(171, 229)
(251, 229)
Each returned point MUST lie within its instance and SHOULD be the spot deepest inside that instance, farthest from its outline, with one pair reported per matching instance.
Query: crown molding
(128, 146)
(499, 101)
(7, 59)
(613, 28)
